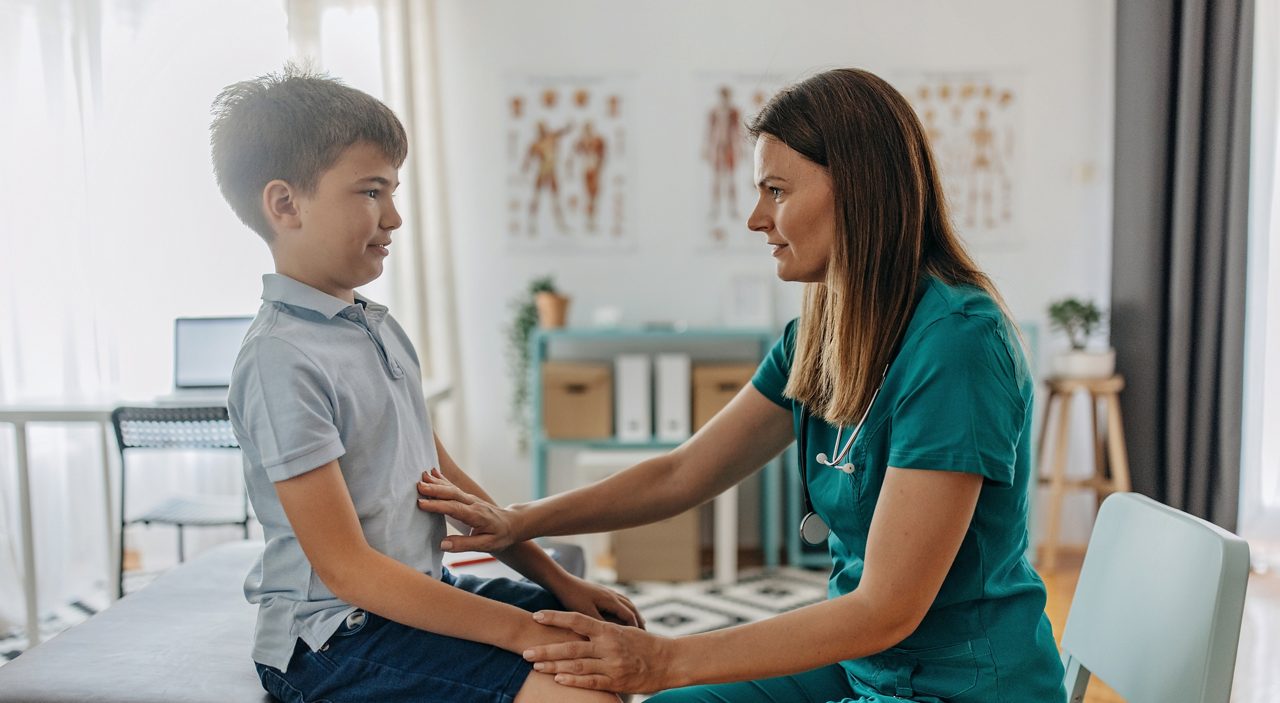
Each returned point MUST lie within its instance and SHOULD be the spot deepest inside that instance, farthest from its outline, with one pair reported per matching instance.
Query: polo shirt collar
(278, 288)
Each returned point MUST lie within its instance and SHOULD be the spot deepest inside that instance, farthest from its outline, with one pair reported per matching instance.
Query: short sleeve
(962, 406)
(281, 409)
(771, 376)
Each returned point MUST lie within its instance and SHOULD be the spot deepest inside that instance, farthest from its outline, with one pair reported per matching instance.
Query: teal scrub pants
(829, 683)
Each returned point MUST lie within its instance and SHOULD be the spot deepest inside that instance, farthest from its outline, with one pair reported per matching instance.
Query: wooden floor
(1257, 677)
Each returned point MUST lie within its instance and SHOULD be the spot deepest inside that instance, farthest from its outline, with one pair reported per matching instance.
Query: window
(1260, 474)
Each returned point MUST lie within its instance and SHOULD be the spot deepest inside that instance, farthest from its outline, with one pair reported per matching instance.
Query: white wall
(1062, 53)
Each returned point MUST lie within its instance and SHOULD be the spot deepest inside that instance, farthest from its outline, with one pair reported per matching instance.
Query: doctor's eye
(775, 192)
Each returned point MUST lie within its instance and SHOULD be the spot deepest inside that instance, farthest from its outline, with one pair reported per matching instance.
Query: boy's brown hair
(291, 126)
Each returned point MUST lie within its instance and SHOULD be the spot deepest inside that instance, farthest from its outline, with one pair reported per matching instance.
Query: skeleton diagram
(986, 171)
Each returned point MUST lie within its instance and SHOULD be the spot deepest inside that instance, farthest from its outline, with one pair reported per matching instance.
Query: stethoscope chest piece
(813, 531)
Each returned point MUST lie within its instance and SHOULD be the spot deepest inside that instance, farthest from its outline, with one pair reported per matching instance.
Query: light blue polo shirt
(318, 379)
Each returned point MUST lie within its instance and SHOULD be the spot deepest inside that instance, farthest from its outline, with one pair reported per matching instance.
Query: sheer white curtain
(1260, 475)
(48, 342)
(113, 226)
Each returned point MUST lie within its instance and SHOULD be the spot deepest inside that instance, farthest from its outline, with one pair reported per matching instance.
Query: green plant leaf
(524, 321)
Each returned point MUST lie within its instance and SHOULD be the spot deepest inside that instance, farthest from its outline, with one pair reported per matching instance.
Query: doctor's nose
(759, 221)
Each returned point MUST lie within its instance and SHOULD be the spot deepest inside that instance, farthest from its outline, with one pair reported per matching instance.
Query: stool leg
(1115, 443)
(1099, 460)
(182, 555)
(1044, 433)
(1057, 484)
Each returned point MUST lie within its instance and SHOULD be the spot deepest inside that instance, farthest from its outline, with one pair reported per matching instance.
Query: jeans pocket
(275, 684)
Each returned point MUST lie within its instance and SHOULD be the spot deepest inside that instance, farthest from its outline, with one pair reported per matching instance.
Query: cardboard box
(714, 385)
(577, 400)
(663, 551)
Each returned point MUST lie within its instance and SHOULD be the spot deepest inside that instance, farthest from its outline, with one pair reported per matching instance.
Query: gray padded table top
(185, 638)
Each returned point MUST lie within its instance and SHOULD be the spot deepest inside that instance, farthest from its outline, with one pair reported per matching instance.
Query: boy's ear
(279, 201)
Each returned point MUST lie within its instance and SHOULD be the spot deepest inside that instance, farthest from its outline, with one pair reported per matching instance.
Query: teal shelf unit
(753, 345)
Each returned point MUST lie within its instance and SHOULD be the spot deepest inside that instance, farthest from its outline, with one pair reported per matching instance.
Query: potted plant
(1080, 320)
(540, 306)
(551, 304)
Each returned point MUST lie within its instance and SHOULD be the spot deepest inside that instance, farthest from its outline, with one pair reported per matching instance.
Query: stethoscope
(813, 531)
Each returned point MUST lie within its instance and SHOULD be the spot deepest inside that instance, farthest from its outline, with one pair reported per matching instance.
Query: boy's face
(343, 229)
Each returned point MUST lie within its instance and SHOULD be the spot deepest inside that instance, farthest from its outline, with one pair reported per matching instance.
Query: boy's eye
(372, 193)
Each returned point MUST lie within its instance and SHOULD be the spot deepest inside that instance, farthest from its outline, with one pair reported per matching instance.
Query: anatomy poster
(568, 164)
(972, 122)
(726, 192)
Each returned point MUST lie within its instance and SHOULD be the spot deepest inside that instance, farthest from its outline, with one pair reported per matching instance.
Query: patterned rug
(674, 609)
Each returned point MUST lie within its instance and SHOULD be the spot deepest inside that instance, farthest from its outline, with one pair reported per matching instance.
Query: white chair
(1157, 611)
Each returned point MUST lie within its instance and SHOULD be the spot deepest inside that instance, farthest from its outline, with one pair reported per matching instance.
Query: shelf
(606, 443)
(732, 344)
(623, 333)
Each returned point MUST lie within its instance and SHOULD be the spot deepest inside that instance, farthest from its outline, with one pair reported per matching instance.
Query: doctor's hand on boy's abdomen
(492, 528)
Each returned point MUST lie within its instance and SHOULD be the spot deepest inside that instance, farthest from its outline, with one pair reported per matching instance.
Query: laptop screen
(205, 348)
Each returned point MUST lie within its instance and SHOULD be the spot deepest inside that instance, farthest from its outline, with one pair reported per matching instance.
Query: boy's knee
(542, 688)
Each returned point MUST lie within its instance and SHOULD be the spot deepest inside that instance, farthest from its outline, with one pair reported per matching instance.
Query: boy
(326, 403)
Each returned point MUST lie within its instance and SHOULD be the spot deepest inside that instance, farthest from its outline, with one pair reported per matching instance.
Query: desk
(20, 416)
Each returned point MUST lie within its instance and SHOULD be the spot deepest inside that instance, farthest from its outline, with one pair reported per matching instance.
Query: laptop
(204, 352)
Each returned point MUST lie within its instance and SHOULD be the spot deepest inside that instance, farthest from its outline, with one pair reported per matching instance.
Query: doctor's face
(795, 210)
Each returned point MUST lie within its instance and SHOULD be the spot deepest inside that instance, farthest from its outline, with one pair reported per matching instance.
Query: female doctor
(904, 383)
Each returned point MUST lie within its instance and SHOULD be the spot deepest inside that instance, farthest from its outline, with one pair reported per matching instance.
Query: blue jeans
(371, 658)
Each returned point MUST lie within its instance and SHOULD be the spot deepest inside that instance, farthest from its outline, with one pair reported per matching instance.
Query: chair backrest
(1157, 610)
(176, 427)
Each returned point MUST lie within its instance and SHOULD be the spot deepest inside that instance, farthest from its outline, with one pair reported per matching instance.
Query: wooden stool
(1110, 474)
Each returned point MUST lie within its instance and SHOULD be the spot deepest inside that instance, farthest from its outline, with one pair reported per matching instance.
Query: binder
(672, 402)
(633, 416)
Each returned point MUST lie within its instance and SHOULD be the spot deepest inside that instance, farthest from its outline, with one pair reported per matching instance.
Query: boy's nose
(391, 218)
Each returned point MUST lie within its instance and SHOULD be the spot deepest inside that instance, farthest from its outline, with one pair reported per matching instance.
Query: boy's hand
(492, 528)
(596, 601)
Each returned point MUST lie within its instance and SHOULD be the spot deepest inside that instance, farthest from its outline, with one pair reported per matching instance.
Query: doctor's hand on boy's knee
(487, 521)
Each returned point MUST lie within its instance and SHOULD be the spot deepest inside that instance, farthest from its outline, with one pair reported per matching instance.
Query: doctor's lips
(776, 247)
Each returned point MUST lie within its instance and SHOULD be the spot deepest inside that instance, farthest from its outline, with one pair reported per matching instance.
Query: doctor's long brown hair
(892, 227)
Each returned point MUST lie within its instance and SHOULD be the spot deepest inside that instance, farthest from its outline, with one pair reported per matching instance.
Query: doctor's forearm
(848, 627)
(649, 491)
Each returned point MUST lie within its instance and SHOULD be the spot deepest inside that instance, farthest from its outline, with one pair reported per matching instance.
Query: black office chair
(178, 428)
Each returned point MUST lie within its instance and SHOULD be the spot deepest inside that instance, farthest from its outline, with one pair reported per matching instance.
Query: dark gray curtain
(1183, 83)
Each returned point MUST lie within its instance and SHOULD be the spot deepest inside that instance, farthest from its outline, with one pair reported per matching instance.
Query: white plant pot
(1085, 364)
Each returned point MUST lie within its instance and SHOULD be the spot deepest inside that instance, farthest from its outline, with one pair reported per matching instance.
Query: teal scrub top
(957, 397)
